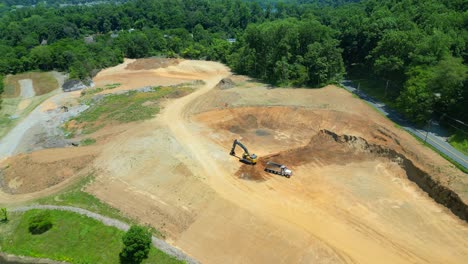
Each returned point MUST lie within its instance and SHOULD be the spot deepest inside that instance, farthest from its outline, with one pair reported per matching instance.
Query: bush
(137, 244)
(40, 223)
(4, 215)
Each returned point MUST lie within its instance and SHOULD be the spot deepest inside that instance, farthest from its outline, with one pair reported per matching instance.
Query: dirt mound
(225, 83)
(267, 130)
(323, 148)
(152, 63)
(327, 148)
(27, 173)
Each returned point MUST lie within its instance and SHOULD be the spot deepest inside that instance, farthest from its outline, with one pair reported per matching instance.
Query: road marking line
(455, 154)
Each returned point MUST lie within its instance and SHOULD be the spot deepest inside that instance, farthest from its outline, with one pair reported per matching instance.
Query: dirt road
(344, 204)
(344, 234)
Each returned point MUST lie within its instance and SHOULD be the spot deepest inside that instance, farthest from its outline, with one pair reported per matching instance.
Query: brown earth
(28, 173)
(134, 74)
(152, 63)
(354, 196)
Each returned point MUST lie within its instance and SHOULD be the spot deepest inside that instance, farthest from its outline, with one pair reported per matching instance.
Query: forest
(416, 47)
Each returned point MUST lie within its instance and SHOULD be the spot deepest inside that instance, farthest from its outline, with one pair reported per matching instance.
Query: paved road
(158, 243)
(437, 136)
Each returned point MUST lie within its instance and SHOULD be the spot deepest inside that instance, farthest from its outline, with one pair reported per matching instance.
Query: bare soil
(152, 63)
(358, 193)
(135, 74)
(27, 173)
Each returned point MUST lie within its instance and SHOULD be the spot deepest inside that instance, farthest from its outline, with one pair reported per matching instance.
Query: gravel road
(27, 90)
(158, 243)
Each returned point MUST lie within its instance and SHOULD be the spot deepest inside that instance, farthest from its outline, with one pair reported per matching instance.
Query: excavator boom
(246, 157)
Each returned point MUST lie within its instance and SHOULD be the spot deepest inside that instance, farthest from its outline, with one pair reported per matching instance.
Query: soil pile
(152, 63)
(327, 148)
(27, 173)
(225, 83)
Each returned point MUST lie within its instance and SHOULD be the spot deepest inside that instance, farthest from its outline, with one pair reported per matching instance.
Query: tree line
(417, 46)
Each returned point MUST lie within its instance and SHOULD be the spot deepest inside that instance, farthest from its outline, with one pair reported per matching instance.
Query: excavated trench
(327, 147)
(299, 136)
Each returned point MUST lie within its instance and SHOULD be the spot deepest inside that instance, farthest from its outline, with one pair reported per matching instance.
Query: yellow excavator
(246, 157)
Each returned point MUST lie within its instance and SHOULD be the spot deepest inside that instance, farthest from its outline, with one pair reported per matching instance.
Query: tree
(137, 244)
(40, 223)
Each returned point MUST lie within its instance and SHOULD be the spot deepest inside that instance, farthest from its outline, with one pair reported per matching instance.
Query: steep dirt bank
(328, 147)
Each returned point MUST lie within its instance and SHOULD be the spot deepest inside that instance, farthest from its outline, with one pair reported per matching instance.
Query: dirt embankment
(328, 148)
(27, 173)
(152, 63)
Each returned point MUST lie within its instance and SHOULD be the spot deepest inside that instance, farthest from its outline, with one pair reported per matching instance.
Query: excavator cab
(246, 157)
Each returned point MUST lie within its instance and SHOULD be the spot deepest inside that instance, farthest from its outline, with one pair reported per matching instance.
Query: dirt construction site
(362, 189)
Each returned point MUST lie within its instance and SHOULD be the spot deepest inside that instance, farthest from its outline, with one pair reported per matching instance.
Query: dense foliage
(418, 47)
(40, 223)
(289, 51)
(137, 244)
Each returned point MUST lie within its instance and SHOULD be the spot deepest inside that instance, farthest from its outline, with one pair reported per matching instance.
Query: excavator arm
(238, 143)
(246, 157)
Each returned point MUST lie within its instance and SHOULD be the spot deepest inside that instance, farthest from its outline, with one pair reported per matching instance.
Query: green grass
(459, 140)
(87, 141)
(91, 91)
(75, 196)
(73, 238)
(43, 82)
(122, 108)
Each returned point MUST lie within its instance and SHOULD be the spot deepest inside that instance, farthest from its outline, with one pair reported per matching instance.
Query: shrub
(40, 223)
(137, 244)
(4, 215)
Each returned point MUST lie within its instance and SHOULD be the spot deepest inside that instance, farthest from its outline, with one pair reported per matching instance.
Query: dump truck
(278, 169)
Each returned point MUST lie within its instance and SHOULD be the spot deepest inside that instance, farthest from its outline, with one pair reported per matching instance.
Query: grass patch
(43, 82)
(121, 108)
(91, 91)
(459, 140)
(87, 141)
(75, 196)
(73, 238)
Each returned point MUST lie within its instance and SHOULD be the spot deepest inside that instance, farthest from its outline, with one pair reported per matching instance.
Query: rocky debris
(75, 85)
(225, 83)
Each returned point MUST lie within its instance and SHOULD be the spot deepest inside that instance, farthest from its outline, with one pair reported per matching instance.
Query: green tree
(137, 244)
(42, 57)
(40, 223)
(449, 83)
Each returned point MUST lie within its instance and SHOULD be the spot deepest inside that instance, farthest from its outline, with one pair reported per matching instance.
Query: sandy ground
(41, 124)
(27, 90)
(344, 203)
(133, 74)
(176, 174)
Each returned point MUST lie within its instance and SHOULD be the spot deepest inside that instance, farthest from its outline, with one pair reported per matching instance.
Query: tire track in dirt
(350, 241)
(176, 116)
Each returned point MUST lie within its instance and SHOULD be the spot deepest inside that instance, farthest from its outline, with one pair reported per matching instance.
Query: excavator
(246, 157)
